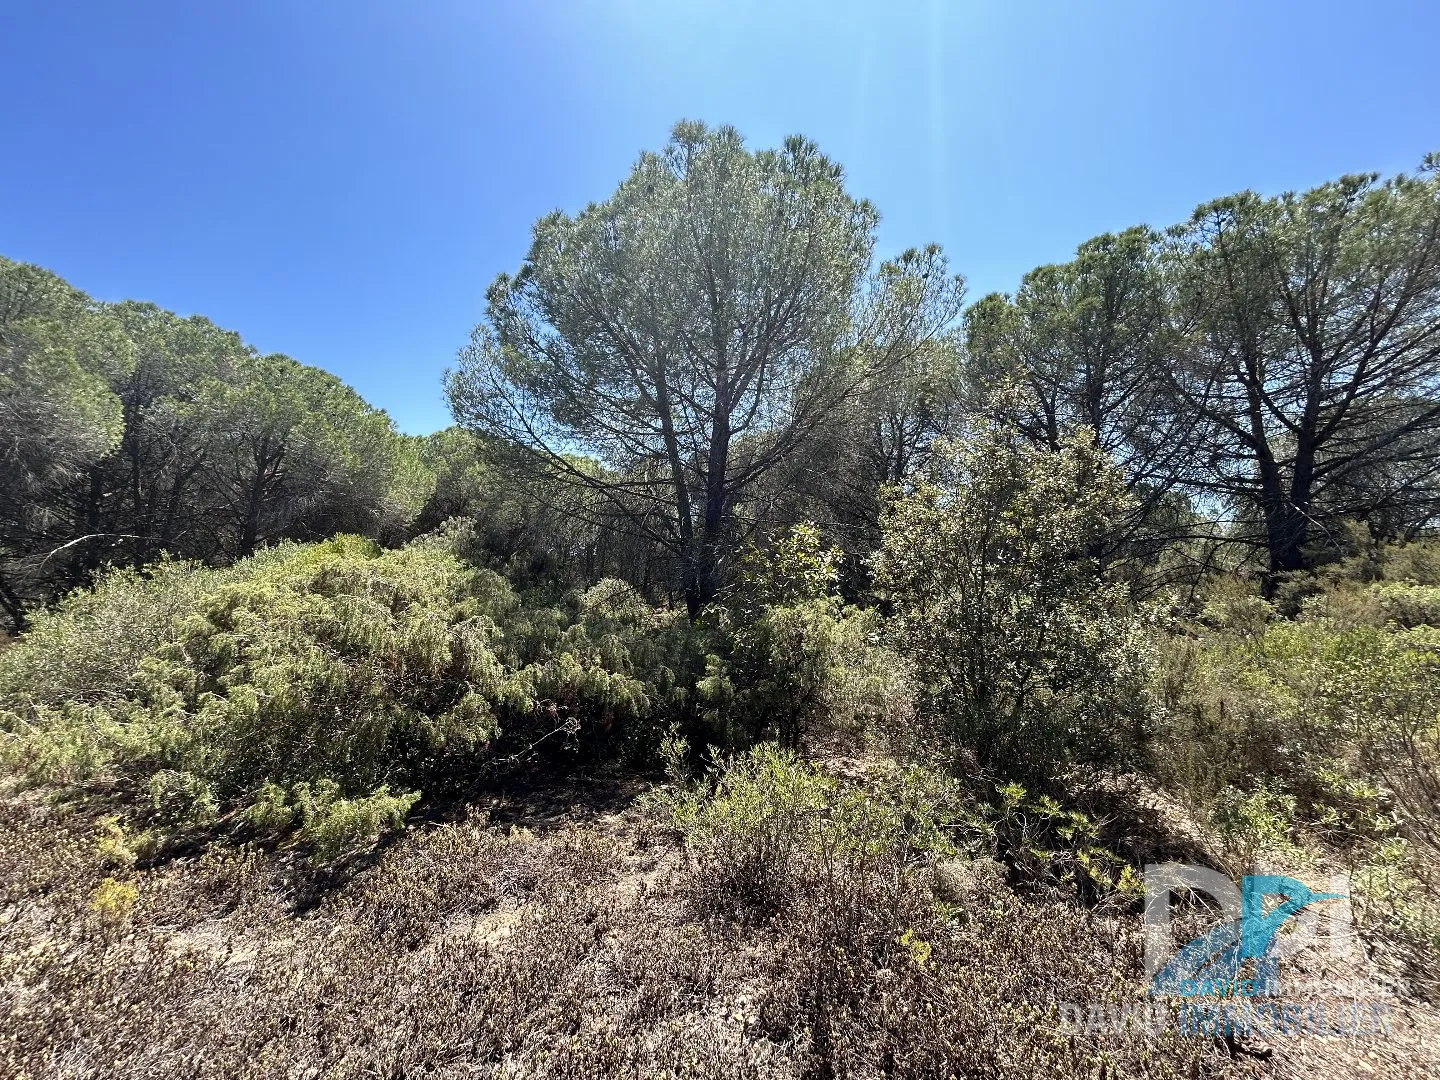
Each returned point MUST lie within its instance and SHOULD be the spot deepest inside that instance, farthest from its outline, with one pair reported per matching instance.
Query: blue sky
(340, 180)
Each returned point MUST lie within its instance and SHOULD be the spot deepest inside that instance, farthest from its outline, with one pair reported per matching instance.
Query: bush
(990, 564)
(755, 828)
(87, 650)
(1343, 719)
(795, 657)
(1327, 728)
(1377, 604)
(1396, 899)
(334, 664)
(880, 977)
(333, 825)
(337, 660)
(767, 827)
(113, 900)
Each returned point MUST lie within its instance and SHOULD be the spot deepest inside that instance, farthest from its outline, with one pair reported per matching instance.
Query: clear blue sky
(340, 180)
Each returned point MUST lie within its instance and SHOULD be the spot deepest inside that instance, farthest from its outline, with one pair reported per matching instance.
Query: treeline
(1273, 363)
(711, 355)
(130, 432)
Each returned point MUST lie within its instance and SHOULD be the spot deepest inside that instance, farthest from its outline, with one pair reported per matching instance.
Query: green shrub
(1245, 615)
(990, 563)
(1253, 823)
(113, 900)
(1348, 605)
(337, 659)
(211, 691)
(1325, 727)
(796, 657)
(87, 650)
(1409, 605)
(767, 827)
(1417, 563)
(270, 813)
(756, 825)
(1393, 886)
(1048, 847)
(600, 666)
(334, 825)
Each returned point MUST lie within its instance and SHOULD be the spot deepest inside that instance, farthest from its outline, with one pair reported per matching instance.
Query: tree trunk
(1287, 514)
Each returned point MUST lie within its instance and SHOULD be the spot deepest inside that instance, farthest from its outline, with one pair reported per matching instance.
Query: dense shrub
(88, 648)
(302, 682)
(766, 827)
(1328, 729)
(1381, 603)
(1343, 718)
(990, 565)
(600, 664)
(793, 659)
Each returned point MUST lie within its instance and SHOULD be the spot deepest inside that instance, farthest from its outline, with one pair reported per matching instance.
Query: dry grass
(522, 942)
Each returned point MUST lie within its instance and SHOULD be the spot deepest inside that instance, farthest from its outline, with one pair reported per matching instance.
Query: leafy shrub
(1395, 899)
(1409, 605)
(337, 659)
(333, 825)
(881, 978)
(87, 650)
(1343, 719)
(1329, 726)
(1246, 615)
(306, 684)
(119, 847)
(601, 657)
(767, 826)
(1377, 604)
(796, 657)
(757, 825)
(990, 565)
(333, 664)
(1417, 563)
(1047, 847)
(1252, 823)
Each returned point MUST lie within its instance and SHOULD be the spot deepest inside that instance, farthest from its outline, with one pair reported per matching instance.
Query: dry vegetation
(572, 931)
(584, 947)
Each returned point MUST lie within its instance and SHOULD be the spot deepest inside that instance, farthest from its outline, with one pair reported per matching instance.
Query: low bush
(1377, 604)
(600, 666)
(766, 827)
(87, 650)
(871, 957)
(755, 827)
(304, 687)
